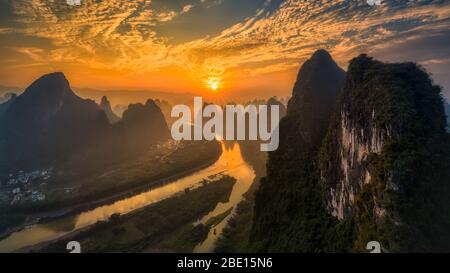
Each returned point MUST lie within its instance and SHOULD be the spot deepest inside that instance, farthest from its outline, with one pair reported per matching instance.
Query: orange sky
(241, 48)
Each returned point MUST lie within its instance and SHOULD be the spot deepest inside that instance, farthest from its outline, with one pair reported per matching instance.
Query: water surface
(230, 162)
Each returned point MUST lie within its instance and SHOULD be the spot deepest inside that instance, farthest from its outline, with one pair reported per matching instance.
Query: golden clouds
(120, 36)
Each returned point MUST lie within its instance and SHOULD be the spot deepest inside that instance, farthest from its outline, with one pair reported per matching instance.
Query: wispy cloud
(121, 35)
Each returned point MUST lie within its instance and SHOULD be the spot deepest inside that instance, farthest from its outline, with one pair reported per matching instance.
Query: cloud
(167, 16)
(121, 35)
(187, 8)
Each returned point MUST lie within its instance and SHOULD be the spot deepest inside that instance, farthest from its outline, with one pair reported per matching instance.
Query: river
(230, 163)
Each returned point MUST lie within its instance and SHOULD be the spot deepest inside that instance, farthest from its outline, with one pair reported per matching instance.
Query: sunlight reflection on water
(230, 162)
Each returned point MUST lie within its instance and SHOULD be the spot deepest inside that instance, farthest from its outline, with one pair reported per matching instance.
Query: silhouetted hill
(166, 109)
(105, 105)
(49, 126)
(48, 122)
(143, 125)
(126, 97)
(274, 101)
(380, 174)
(288, 202)
(317, 84)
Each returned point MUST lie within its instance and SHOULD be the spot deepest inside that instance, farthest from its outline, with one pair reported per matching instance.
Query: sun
(213, 83)
(214, 86)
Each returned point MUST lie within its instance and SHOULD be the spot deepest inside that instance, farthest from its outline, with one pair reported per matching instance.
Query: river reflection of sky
(230, 162)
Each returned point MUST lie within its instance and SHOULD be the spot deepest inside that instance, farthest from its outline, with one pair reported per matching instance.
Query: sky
(245, 48)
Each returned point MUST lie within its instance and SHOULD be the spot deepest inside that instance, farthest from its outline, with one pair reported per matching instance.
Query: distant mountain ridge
(105, 105)
(126, 97)
(48, 125)
(166, 109)
(142, 125)
(47, 122)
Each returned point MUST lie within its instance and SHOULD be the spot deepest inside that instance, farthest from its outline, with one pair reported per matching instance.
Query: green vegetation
(152, 169)
(406, 205)
(410, 181)
(296, 219)
(290, 214)
(235, 236)
(410, 176)
(164, 226)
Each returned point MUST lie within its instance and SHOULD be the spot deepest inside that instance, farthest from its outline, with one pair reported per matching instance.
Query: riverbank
(166, 226)
(205, 158)
(235, 236)
(230, 163)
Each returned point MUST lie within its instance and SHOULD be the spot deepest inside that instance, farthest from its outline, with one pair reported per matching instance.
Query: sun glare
(213, 83)
(214, 86)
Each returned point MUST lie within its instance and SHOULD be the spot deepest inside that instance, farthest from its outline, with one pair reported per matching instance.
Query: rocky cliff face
(381, 173)
(389, 121)
(355, 146)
